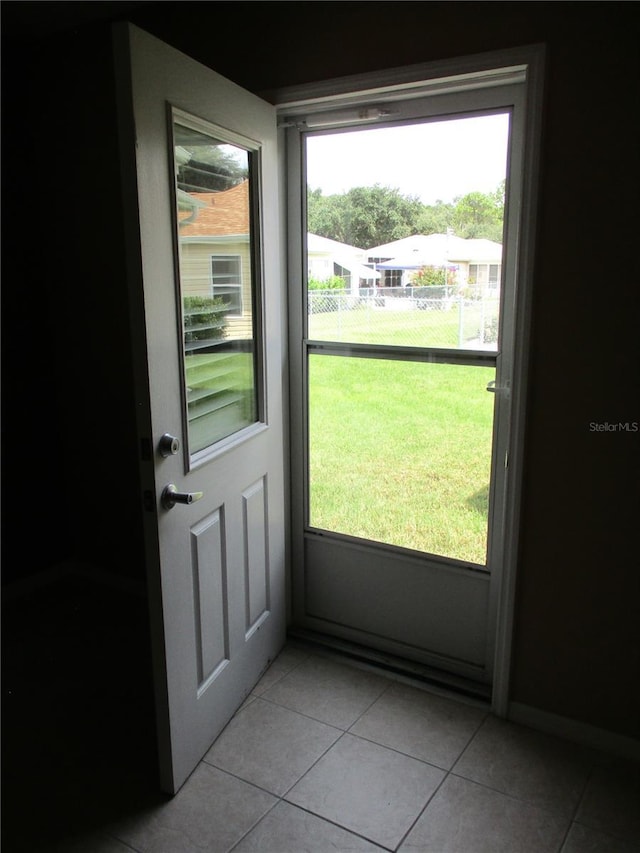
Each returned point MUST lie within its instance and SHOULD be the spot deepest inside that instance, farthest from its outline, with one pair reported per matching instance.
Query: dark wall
(576, 649)
(70, 495)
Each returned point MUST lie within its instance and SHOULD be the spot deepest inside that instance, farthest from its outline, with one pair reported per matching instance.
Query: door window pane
(217, 284)
(400, 453)
(412, 216)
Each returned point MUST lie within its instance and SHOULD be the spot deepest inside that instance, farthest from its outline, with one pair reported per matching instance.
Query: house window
(494, 276)
(485, 275)
(393, 278)
(343, 273)
(226, 277)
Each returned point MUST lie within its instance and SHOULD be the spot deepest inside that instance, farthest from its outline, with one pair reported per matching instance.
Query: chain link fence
(405, 316)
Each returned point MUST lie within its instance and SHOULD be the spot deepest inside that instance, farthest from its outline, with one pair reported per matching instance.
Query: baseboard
(574, 730)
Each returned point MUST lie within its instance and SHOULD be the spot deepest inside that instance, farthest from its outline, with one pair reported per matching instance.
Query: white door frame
(522, 65)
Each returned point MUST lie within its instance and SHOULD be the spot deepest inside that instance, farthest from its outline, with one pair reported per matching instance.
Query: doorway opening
(410, 223)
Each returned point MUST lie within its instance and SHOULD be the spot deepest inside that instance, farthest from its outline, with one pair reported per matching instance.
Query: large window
(226, 276)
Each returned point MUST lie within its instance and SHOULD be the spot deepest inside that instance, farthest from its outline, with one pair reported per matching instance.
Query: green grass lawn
(400, 452)
(366, 324)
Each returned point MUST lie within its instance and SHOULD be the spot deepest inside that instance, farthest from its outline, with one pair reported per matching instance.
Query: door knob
(171, 496)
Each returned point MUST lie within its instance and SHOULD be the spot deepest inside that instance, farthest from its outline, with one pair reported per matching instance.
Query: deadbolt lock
(168, 445)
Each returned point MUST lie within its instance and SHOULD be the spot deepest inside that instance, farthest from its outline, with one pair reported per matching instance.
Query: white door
(199, 161)
(410, 378)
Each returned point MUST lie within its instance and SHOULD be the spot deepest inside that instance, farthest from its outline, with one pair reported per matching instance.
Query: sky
(434, 161)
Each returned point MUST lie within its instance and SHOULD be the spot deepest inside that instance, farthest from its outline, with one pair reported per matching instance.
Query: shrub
(433, 276)
(333, 283)
(491, 331)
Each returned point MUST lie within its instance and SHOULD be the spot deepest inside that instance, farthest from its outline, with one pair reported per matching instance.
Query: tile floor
(324, 757)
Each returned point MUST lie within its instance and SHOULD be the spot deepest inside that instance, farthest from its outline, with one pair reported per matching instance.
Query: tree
(372, 216)
(364, 216)
(435, 218)
(480, 215)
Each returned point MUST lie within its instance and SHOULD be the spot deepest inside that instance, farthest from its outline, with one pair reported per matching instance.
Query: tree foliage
(371, 216)
(363, 216)
(479, 215)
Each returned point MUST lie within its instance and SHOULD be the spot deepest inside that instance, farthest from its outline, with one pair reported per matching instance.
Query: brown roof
(226, 212)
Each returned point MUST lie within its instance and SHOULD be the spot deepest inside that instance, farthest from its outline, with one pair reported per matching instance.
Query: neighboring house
(476, 263)
(215, 255)
(326, 258)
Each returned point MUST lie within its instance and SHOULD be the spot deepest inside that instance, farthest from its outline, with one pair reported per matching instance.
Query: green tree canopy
(372, 216)
(364, 216)
(479, 215)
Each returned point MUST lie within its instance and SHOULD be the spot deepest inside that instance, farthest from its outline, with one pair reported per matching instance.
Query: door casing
(522, 68)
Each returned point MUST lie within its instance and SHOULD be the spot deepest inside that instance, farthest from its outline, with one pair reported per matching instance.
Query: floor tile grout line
(301, 714)
(281, 798)
(398, 751)
(124, 843)
(338, 825)
(430, 799)
(281, 677)
(240, 778)
(475, 734)
(576, 809)
(509, 796)
(525, 802)
(251, 828)
(369, 706)
(310, 768)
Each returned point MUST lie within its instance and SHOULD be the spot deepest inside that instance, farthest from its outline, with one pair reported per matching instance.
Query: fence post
(460, 321)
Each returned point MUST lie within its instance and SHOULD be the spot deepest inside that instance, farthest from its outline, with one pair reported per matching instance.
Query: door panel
(350, 587)
(212, 340)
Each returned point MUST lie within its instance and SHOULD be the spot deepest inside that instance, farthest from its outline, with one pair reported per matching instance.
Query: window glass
(217, 284)
(400, 453)
(412, 218)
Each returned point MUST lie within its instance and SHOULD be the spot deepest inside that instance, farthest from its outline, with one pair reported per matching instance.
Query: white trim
(505, 616)
(574, 730)
(447, 76)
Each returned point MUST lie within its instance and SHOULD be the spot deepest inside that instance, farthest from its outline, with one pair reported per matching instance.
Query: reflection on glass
(400, 453)
(216, 285)
(405, 233)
